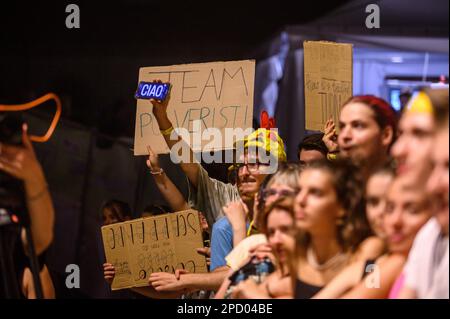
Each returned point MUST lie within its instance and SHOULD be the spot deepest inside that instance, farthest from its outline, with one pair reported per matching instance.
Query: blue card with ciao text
(152, 90)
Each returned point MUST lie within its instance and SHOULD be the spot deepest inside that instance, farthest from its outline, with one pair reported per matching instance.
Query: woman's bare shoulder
(391, 260)
(371, 248)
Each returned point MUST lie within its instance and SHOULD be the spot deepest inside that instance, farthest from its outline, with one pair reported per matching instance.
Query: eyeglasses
(252, 168)
(281, 193)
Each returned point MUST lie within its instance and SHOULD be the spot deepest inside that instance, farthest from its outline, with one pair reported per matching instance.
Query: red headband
(379, 106)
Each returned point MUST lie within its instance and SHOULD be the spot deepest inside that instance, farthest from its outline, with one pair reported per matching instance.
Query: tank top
(304, 290)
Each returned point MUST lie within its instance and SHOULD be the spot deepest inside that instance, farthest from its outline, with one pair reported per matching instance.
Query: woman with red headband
(367, 129)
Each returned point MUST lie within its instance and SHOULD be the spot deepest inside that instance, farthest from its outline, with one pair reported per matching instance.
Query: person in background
(375, 198)
(367, 130)
(155, 210)
(312, 148)
(177, 202)
(333, 230)
(21, 163)
(283, 184)
(210, 196)
(404, 97)
(175, 199)
(251, 176)
(375, 201)
(407, 210)
(115, 211)
(278, 225)
(167, 188)
(427, 269)
(415, 139)
(48, 289)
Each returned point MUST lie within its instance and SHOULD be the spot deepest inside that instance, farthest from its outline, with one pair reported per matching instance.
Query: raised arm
(191, 169)
(165, 185)
(330, 137)
(21, 162)
(236, 213)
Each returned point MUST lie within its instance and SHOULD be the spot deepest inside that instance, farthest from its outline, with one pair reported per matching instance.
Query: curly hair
(349, 186)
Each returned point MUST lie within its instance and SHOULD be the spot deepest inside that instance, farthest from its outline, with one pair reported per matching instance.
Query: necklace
(337, 259)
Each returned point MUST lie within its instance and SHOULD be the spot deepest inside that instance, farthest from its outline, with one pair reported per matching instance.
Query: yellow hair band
(420, 103)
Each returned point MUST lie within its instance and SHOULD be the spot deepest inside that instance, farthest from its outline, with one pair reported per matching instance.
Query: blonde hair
(287, 174)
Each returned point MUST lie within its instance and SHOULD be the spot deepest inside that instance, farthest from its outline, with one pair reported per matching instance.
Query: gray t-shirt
(211, 195)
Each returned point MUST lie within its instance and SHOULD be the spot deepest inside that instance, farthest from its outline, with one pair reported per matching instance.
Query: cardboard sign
(217, 94)
(162, 243)
(328, 81)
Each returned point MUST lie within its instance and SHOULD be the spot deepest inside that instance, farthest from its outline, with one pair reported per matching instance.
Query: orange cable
(32, 104)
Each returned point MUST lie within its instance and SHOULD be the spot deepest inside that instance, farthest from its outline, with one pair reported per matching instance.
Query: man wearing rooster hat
(215, 198)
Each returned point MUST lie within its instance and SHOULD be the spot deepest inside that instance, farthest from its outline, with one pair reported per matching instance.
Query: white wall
(369, 72)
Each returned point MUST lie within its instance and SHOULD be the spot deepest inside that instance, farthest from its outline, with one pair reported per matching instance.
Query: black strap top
(304, 290)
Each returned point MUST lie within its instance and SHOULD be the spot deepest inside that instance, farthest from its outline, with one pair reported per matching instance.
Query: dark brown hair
(349, 188)
(120, 209)
(284, 203)
(313, 142)
(388, 168)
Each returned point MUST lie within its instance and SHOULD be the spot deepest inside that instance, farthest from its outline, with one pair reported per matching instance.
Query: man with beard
(367, 127)
(210, 196)
(426, 271)
(251, 173)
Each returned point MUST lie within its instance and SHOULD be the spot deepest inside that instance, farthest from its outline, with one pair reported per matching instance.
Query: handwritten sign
(217, 94)
(162, 243)
(328, 81)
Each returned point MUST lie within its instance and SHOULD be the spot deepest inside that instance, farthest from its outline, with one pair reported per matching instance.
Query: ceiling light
(397, 59)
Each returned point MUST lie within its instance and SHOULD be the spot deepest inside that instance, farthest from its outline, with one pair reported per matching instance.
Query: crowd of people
(362, 214)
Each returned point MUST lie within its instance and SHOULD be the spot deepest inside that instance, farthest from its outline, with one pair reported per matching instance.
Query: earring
(340, 221)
